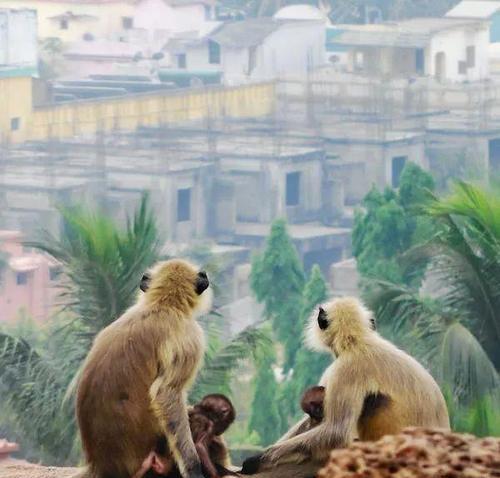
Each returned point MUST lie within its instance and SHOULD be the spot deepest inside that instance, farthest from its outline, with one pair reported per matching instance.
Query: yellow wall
(108, 17)
(15, 102)
(125, 113)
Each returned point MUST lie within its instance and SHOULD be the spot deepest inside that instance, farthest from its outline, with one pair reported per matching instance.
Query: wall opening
(293, 189)
(440, 65)
(494, 155)
(398, 164)
(183, 204)
(213, 52)
(21, 278)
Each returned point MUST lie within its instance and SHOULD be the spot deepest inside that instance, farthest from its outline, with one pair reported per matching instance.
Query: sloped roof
(244, 33)
(474, 9)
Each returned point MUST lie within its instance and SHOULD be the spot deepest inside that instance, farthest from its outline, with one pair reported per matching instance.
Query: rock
(417, 453)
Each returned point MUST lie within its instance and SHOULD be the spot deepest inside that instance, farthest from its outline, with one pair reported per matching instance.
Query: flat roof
(296, 231)
(412, 33)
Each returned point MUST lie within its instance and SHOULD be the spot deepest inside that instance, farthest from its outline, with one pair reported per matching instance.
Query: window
(63, 24)
(252, 58)
(398, 163)
(127, 23)
(213, 52)
(183, 205)
(292, 189)
(54, 273)
(419, 61)
(22, 278)
(208, 12)
(181, 60)
(471, 56)
(462, 68)
(15, 124)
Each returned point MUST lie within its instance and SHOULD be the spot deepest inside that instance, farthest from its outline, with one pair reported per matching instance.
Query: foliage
(386, 228)
(265, 417)
(221, 360)
(464, 282)
(277, 279)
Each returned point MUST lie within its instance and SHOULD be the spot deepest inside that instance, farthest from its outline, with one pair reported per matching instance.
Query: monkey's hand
(251, 465)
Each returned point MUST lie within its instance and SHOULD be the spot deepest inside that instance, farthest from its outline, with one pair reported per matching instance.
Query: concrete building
(18, 63)
(72, 21)
(446, 49)
(18, 40)
(254, 49)
(27, 280)
(163, 19)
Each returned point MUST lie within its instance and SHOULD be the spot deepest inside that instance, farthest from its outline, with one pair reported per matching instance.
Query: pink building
(26, 280)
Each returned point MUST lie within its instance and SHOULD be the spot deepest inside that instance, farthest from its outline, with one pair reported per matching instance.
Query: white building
(18, 40)
(254, 49)
(159, 20)
(447, 49)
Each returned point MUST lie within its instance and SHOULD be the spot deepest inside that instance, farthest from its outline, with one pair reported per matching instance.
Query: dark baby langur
(208, 420)
(312, 404)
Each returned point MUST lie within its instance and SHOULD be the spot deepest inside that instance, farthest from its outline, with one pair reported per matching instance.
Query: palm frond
(101, 265)
(33, 389)
(466, 367)
(221, 361)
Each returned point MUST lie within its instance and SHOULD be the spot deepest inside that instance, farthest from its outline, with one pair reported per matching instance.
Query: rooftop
(245, 33)
(479, 9)
(412, 33)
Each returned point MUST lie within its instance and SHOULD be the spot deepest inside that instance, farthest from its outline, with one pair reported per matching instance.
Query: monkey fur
(133, 385)
(208, 420)
(312, 404)
(372, 389)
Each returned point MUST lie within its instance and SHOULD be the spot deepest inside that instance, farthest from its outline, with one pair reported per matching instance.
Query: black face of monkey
(322, 319)
(202, 282)
(146, 279)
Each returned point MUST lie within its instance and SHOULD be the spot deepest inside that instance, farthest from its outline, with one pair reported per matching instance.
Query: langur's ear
(146, 279)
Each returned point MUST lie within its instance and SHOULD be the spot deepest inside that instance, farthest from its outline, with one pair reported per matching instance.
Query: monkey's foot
(157, 463)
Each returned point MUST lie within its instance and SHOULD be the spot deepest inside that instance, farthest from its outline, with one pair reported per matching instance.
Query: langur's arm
(343, 404)
(202, 448)
(300, 427)
(171, 408)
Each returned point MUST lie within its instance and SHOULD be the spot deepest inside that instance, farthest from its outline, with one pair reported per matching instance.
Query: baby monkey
(312, 404)
(208, 420)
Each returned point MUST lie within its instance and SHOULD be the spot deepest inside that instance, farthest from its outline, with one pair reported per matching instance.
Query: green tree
(265, 417)
(386, 227)
(277, 279)
(310, 364)
(458, 322)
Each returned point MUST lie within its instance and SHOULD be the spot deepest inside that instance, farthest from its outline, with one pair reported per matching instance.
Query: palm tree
(101, 268)
(458, 324)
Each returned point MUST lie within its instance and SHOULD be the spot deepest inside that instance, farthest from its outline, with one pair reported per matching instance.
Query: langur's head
(219, 409)
(312, 402)
(339, 325)
(179, 285)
